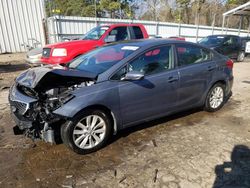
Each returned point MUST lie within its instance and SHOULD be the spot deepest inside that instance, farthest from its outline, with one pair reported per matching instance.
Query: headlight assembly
(59, 52)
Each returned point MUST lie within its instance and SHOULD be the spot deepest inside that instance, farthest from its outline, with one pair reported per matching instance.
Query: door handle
(173, 79)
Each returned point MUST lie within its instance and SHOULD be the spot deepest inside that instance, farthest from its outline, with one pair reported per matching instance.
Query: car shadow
(235, 173)
(6, 68)
(127, 131)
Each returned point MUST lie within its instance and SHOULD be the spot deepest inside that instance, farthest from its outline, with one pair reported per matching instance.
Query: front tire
(215, 98)
(87, 132)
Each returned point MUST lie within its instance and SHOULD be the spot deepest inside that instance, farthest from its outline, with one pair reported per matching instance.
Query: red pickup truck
(64, 52)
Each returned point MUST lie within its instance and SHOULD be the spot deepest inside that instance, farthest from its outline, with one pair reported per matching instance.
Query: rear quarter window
(137, 32)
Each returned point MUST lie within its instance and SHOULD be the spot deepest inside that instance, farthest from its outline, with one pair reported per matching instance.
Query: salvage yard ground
(188, 150)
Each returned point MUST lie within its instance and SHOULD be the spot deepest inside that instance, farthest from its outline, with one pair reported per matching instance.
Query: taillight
(230, 64)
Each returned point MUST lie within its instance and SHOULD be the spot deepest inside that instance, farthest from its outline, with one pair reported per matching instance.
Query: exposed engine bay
(37, 93)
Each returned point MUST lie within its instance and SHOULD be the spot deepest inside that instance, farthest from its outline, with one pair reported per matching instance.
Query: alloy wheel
(89, 132)
(216, 97)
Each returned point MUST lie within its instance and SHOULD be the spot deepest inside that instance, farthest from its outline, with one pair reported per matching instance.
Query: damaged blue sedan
(117, 86)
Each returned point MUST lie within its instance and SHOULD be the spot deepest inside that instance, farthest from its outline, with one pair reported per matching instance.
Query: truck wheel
(215, 98)
(241, 56)
(87, 132)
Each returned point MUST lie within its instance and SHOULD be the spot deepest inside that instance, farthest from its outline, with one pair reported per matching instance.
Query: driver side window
(119, 33)
(153, 61)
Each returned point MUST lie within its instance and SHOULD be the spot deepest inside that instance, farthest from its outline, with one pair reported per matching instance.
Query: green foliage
(237, 2)
(183, 3)
(111, 8)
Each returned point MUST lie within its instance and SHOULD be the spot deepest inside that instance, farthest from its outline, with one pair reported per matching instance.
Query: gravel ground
(188, 150)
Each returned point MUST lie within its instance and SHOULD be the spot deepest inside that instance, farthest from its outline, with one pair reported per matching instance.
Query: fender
(105, 94)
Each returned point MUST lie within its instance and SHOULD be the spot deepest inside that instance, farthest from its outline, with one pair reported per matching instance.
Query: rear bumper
(229, 87)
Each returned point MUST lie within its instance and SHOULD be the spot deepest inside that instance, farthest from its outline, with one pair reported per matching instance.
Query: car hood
(45, 78)
(72, 43)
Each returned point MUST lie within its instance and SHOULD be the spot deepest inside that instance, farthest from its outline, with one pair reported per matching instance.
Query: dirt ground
(189, 150)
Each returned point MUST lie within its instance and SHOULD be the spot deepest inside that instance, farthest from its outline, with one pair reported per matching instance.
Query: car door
(230, 47)
(119, 33)
(236, 46)
(153, 96)
(196, 69)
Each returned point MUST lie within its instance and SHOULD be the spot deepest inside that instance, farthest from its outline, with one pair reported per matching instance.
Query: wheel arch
(210, 86)
(219, 81)
(106, 110)
(206, 104)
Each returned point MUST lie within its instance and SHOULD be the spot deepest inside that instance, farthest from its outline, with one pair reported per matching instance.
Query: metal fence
(21, 25)
(60, 27)
(22, 28)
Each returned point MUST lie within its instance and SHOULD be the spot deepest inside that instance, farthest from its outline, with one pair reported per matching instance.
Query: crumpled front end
(20, 105)
(32, 115)
(34, 97)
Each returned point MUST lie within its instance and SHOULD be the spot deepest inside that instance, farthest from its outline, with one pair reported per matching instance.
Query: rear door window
(231, 41)
(189, 54)
(137, 32)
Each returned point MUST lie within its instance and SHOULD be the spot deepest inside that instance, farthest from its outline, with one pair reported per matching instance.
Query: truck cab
(64, 52)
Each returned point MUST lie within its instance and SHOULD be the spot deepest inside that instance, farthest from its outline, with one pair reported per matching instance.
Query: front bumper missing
(17, 130)
(19, 105)
(22, 124)
(23, 127)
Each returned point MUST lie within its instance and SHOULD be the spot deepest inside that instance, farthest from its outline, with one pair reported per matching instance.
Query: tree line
(91, 8)
(202, 12)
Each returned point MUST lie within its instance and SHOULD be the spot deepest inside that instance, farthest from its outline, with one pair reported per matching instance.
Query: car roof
(123, 24)
(245, 37)
(222, 35)
(153, 42)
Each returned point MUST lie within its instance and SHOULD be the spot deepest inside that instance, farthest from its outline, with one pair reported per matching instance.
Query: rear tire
(241, 56)
(215, 98)
(87, 132)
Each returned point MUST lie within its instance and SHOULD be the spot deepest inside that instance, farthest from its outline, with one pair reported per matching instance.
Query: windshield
(101, 59)
(212, 40)
(95, 33)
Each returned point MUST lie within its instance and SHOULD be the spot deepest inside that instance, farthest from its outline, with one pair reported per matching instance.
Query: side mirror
(134, 75)
(65, 39)
(110, 38)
